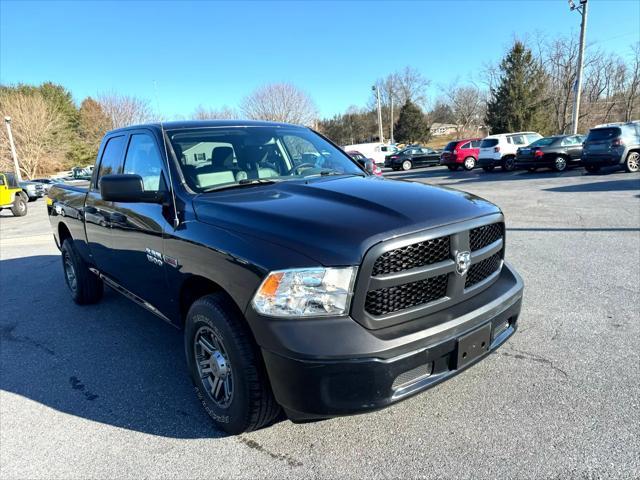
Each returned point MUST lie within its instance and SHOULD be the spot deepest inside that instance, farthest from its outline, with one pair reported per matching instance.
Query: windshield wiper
(243, 183)
(326, 173)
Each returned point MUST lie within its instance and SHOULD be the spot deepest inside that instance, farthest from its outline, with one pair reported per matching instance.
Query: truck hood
(335, 220)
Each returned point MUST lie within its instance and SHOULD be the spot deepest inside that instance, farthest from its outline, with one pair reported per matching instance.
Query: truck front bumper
(386, 365)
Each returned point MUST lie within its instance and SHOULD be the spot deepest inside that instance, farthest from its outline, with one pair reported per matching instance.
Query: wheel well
(196, 287)
(63, 233)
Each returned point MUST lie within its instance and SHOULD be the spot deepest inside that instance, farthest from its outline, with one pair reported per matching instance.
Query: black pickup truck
(302, 282)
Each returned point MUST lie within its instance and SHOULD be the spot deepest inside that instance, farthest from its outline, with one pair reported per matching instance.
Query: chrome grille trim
(459, 240)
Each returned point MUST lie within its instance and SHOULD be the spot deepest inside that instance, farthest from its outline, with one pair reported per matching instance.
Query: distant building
(438, 129)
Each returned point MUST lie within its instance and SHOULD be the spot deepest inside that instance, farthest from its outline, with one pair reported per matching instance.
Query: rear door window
(466, 145)
(518, 140)
(111, 161)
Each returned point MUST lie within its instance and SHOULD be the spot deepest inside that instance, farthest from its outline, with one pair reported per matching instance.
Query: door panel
(137, 229)
(97, 212)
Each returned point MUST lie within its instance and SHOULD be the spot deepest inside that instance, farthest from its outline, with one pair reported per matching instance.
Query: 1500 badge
(156, 257)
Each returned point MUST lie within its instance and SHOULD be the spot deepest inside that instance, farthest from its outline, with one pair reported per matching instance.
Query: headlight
(306, 292)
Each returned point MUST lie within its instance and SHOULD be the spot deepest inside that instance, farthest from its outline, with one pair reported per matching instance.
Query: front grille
(416, 275)
(392, 299)
(412, 256)
(481, 270)
(485, 235)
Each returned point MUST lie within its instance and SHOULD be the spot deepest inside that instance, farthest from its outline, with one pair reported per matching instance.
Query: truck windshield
(222, 157)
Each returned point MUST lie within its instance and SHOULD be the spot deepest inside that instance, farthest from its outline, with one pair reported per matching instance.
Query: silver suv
(613, 144)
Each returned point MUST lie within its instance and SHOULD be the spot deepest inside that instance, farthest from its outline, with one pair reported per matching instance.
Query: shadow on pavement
(112, 362)
(628, 184)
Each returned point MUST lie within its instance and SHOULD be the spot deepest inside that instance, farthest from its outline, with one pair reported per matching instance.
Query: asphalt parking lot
(102, 391)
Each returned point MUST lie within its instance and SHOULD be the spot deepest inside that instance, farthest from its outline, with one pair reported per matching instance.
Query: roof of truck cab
(180, 124)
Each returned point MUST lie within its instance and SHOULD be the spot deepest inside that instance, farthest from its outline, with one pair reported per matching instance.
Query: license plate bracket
(473, 345)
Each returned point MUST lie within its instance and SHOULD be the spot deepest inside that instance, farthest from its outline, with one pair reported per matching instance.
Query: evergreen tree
(518, 102)
(411, 125)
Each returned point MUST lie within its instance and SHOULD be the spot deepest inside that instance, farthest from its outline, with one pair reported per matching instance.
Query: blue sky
(214, 53)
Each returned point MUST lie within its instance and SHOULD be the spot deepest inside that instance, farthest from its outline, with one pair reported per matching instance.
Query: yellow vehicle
(12, 196)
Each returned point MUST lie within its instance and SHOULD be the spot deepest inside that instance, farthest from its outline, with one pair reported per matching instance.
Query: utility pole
(582, 9)
(380, 134)
(391, 128)
(7, 121)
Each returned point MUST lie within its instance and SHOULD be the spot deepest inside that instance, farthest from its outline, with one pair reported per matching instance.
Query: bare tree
(124, 110)
(203, 113)
(280, 102)
(402, 86)
(36, 125)
(468, 104)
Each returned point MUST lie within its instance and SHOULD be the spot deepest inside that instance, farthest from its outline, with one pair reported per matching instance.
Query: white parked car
(376, 151)
(500, 150)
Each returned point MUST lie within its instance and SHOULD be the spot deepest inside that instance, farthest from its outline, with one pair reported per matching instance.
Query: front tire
(85, 287)
(469, 163)
(226, 368)
(406, 165)
(19, 207)
(632, 164)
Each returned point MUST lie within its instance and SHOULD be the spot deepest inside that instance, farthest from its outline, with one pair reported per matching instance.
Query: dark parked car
(362, 161)
(461, 154)
(613, 145)
(413, 157)
(559, 153)
(299, 282)
(46, 183)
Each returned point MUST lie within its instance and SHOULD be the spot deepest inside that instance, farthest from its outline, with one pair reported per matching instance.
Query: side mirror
(369, 166)
(127, 188)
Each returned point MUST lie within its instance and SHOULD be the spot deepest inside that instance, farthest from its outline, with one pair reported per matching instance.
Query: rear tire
(406, 165)
(509, 164)
(632, 164)
(19, 207)
(560, 164)
(226, 367)
(469, 163)
(85, 287)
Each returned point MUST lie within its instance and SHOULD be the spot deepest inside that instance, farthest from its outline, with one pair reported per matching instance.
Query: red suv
(461, 153)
